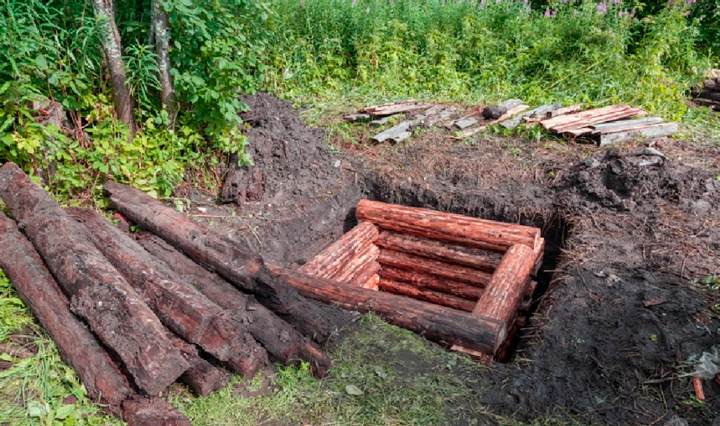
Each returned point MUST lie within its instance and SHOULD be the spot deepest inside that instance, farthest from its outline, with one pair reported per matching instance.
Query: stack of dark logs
(133, 313)
(710, 94)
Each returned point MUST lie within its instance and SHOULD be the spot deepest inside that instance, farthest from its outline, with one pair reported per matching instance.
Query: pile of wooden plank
(462, 281)
(133, 315)
(607, 125)
(710, 94)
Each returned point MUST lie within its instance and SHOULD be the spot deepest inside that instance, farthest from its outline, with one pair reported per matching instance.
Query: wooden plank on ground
(622, 125)
(564, 120)
(563, 111)
(656, 131)
(396, 133)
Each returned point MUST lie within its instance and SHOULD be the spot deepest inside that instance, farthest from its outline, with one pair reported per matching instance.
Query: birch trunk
(104, 10)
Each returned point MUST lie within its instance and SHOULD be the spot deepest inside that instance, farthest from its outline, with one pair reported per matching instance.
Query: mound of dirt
(296, 198)
(638, 182)
(290, 159)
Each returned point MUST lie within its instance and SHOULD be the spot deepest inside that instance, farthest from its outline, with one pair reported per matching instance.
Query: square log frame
(474, 267)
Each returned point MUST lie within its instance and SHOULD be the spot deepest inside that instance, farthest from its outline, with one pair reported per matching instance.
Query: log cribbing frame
(430, 264)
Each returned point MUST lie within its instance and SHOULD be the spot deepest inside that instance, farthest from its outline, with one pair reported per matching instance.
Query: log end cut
(152, 412)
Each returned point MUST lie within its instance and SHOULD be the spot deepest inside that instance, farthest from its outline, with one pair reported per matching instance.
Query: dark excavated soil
(630, 236)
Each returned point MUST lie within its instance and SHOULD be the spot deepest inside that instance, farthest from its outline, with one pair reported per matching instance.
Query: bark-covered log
(77, 346)
(152, 412)
(180, 306)
(508, 286)
(483, 259)
(99, 294)
(436, 297)
(434, 267)
(280, 339)
(436, 322)
(331, 261)
(202, 377)
(243, 268)
(449, 227)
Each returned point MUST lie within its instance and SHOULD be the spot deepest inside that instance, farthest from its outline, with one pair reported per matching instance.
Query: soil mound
(290, 159)
(638, 182)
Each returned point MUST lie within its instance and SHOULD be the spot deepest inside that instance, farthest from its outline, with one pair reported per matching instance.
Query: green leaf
(37, 409)
(353, 390)
(41, 62)
(6, 357)
(380, 372)
(64, 412)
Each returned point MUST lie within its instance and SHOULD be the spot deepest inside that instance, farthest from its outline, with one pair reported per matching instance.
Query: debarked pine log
(449, 227)
(331, 261)
(434, 289)
(502, 297)
(243, 268)
(358, 265)
(436, 297)
(278, 337)
(77, 346)
(483, 259)
(180, 306)
(98, 293)
(435, 268)
(435, 322)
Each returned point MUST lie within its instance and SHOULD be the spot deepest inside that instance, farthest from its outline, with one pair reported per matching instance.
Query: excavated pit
(630, 240)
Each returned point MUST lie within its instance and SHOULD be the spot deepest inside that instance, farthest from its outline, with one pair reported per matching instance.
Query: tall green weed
(487, 51)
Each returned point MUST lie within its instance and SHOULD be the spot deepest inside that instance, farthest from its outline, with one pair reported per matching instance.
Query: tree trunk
(161, 31)
(181, 306)
(243, 268)
(436, 322)
(99, 294)
(280, 339)
(122, 98)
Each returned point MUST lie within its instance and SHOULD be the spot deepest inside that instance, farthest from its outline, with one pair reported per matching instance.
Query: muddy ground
(632, 239)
